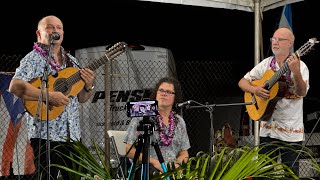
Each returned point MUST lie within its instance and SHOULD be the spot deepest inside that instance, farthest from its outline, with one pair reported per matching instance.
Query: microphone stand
(306, 142)
(44, 83)
(210, 108)
(46, 74)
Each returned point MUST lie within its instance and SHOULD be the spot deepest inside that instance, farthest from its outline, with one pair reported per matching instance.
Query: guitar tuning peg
(313, 40)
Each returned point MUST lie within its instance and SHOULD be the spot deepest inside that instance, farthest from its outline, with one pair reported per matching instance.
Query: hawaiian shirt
(67, 124)
(180, 140)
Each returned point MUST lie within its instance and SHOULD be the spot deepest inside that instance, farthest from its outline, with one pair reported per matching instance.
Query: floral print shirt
(180, 140)
(67, 124)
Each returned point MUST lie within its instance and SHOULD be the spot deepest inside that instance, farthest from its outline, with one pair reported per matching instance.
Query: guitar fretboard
(277, 75)
(111, 53)
(93, 66)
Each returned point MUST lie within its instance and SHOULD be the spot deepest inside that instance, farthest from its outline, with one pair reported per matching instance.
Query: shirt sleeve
(305, 73)
(184, 138)
(259, 70)
(31, 66)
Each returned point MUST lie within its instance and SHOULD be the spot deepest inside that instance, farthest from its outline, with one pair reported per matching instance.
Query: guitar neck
(277, 75)
(111, 53)
(93, 66)
(306, 47)
(98, 62)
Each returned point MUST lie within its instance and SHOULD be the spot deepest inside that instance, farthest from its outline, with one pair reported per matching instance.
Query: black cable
(306, 141)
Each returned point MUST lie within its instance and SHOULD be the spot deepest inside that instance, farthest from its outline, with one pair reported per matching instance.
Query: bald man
(48, 54)
(283, 118)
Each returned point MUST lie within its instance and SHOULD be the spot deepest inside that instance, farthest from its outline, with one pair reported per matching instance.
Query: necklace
(41, 49)
(166, 138)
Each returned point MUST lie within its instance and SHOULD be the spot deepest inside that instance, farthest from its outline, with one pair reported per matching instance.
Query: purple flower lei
(37, 47)
(166, 139)
(40, 50)
(273, 67)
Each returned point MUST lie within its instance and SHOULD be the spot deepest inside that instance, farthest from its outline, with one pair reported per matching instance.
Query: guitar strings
(69, 82)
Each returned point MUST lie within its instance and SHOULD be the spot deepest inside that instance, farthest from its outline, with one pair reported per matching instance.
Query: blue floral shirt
(179, 143)
(32, 66)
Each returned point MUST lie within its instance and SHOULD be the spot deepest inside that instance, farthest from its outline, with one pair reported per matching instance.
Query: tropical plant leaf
(237, 163)
(85, 164)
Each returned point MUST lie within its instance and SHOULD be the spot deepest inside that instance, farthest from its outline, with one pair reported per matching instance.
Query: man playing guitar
(284, 122)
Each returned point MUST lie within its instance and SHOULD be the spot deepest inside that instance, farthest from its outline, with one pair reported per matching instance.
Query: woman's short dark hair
(176, 86)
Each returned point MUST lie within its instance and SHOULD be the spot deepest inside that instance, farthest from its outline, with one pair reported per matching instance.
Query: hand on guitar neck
(88, 76)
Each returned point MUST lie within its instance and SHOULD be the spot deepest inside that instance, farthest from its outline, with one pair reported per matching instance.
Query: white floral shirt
(286, 122)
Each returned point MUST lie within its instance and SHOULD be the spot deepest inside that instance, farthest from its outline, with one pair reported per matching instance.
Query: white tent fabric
(243, 5)
(256, 6)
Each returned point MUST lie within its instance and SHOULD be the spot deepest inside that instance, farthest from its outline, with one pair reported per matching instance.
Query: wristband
(88, 90)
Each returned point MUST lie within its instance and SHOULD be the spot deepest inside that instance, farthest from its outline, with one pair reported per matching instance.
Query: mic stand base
(210, 108)
(305, 144)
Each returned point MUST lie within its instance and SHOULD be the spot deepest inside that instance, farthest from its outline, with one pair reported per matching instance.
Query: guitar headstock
(115, 50)
(306, 47)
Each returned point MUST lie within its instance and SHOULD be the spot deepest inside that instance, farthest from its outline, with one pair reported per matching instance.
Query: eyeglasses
(168, 92)
(278, 39)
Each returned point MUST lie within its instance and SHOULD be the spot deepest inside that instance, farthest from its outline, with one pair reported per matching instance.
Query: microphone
(55, 36)
(180, 105)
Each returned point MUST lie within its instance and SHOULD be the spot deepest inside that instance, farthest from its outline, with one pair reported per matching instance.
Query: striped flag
(15, 148)
(286, 19)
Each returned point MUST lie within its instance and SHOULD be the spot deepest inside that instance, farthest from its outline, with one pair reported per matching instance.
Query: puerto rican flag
(15, 148)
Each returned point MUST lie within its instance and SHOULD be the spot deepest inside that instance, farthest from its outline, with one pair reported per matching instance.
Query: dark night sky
(190, 32)
(199, 31)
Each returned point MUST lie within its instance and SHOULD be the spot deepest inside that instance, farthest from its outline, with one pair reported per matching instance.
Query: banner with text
(133, 74)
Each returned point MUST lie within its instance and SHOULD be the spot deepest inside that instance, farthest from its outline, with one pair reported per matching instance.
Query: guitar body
(69, 82)
(60, 82)
(258, 110)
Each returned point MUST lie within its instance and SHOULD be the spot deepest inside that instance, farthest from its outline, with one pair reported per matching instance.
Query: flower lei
(44, 52)
(166, 139)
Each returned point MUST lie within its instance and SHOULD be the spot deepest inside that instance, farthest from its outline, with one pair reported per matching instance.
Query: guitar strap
(69, 61)
(43, 49)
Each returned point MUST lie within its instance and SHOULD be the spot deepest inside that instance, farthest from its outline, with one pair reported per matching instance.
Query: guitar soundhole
(49, 107)
(254, 101)
(61, 85)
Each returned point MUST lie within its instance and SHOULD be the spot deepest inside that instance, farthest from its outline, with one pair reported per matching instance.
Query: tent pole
(256, 57)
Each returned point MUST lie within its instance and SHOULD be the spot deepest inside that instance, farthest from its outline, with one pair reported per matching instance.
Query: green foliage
(229, 163)
(85, 163)
(238, 163)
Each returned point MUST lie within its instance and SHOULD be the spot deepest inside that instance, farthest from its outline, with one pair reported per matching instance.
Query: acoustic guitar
(69, 82)
(259, 108)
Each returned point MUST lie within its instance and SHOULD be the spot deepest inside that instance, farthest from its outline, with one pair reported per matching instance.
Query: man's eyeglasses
(168, 92)
(278, 39)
